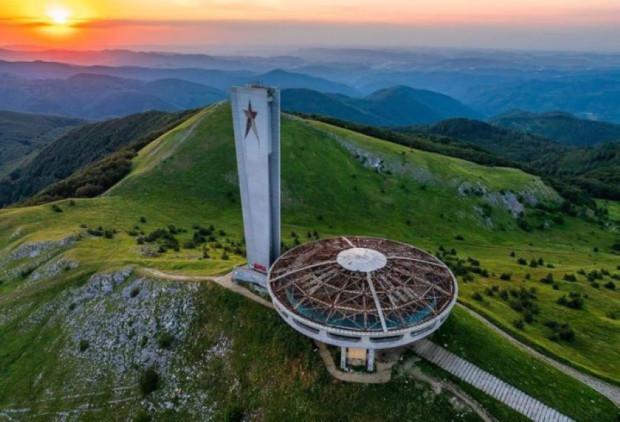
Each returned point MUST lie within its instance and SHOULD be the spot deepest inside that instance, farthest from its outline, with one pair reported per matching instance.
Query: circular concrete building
(362, 293)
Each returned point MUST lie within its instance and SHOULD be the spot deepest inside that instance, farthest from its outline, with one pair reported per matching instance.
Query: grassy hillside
(396, 106)
(22, 135)
(595, 169)
(334, 182)
(82, 147)
(560, 126)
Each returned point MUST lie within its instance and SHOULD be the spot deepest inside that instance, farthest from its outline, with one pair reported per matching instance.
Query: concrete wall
(256, 122)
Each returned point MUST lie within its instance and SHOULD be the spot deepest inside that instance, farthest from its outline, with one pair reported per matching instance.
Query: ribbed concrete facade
(256, 121)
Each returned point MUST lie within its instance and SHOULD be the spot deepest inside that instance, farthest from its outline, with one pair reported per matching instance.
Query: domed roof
(362, 284)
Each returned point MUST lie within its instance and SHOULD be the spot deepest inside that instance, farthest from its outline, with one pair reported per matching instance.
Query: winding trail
(490, 384)
(606, 389)
(224, 281)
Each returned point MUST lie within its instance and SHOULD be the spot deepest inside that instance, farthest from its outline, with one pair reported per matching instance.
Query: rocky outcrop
(37, 249)
(52, 269)
(28, 259)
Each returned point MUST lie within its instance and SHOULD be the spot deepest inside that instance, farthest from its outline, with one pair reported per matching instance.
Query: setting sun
(59, 15)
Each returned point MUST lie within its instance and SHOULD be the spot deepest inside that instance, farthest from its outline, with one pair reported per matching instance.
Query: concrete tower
(256, 121)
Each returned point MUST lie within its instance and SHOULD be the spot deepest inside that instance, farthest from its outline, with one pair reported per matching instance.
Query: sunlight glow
(114, 23)
(59, 14)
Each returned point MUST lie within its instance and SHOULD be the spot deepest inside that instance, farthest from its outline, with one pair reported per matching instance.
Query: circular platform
(361, 291)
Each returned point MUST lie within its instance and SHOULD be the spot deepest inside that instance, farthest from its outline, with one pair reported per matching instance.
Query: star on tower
(251, 123)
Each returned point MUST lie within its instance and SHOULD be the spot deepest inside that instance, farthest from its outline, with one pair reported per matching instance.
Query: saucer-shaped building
(362, 293)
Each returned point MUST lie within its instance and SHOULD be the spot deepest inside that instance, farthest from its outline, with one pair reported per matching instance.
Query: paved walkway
(224, 281)
(482, 380)
(606, 389)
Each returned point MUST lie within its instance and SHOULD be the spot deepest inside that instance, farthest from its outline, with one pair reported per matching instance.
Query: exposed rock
(367, 159)
(52, 269)
(111, 325)
(36, 249)
(387, 164)
(467, 189)
(512, 203)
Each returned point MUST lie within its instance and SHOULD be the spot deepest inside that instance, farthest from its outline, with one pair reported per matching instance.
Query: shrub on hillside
(573, 301)
(83, 345)
(149, 381)
(560, 331)
(548, 279)
(165, 340)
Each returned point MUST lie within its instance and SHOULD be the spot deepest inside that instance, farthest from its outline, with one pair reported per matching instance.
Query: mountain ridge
(23, 134)
(595, 169)
(394, 106)
(561, 126)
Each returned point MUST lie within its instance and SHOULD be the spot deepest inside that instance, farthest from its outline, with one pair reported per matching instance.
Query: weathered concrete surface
(490, 384)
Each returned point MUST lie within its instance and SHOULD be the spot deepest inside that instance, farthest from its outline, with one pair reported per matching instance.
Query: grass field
(188, 178)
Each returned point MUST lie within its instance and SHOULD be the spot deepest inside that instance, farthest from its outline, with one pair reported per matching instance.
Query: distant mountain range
(586, 85)
(594, 97)
(22, 135)
(98, 96)
(560, 126)
(394, 106)
(218, 79)
(151, 59)
(95, 96)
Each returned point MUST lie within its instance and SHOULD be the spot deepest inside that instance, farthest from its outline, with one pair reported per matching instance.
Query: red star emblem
(251, 123)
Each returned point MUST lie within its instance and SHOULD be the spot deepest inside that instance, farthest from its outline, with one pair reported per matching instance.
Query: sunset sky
(524, 24)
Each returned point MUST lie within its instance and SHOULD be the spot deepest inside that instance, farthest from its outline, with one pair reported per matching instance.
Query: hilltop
(595, 169)
(560, 126)
(97, 327)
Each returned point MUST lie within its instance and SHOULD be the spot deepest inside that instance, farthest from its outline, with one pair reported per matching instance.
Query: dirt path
(488, 383)
(224, 281)
(608, 390)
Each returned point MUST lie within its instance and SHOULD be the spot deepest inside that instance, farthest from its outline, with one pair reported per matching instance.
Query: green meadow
(338, 182)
